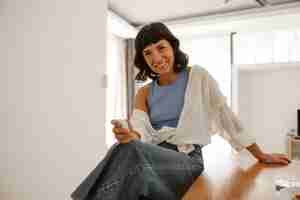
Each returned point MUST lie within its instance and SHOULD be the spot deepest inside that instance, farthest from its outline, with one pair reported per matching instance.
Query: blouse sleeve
(221, 118)
(140, 122)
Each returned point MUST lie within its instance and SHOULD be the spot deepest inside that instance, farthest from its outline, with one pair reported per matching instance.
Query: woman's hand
(123, 135)
(267, 158)
(274, 159)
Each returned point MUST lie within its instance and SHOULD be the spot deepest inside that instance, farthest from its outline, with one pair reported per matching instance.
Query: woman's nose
(156, 57)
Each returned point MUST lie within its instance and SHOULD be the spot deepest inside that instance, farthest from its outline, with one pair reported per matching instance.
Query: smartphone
(121, 123)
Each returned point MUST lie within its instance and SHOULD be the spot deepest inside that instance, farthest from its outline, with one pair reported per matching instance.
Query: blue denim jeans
(138, 170)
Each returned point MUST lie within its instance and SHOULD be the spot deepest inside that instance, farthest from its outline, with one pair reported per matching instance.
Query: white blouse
(204, 114)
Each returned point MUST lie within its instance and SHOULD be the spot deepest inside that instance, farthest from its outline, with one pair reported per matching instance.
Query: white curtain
(116, 83)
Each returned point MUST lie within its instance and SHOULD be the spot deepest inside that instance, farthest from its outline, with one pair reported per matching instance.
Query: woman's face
(160, 57)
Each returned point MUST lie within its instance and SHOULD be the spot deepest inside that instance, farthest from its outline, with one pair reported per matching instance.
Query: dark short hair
(152, 33)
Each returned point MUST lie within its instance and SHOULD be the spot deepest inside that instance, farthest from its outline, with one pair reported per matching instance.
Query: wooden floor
(232, 176)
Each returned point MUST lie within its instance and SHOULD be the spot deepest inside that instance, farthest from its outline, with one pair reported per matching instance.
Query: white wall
(268, 102)
(52, 106)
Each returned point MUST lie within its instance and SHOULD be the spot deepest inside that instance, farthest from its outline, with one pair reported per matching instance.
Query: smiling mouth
(162, 67)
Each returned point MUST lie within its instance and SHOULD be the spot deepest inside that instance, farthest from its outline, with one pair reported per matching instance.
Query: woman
(159, 155)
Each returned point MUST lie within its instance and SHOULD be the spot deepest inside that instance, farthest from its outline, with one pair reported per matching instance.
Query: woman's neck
(167, 79)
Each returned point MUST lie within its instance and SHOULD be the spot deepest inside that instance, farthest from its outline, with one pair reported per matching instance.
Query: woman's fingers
(275, 159)
(122, 131)
(283, 158)
(279, 159)
(121, 134)
(120, 137)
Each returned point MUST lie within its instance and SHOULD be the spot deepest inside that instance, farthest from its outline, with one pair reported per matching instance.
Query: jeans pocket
(196, 154)
(197, 160)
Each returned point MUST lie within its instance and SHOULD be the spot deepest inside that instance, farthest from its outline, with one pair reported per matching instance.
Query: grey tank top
(165, 103)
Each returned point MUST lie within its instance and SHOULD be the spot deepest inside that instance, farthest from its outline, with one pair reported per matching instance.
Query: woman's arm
(124, 135)
(232, 125)
(229, 122)
(140, 103)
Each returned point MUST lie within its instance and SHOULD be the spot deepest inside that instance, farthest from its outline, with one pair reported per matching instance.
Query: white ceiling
(139, 12)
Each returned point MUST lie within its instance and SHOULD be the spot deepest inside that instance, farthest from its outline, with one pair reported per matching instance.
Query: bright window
(212, 53)
(267, 47)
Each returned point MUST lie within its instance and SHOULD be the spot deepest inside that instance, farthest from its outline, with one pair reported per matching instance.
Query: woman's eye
(162, 47)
